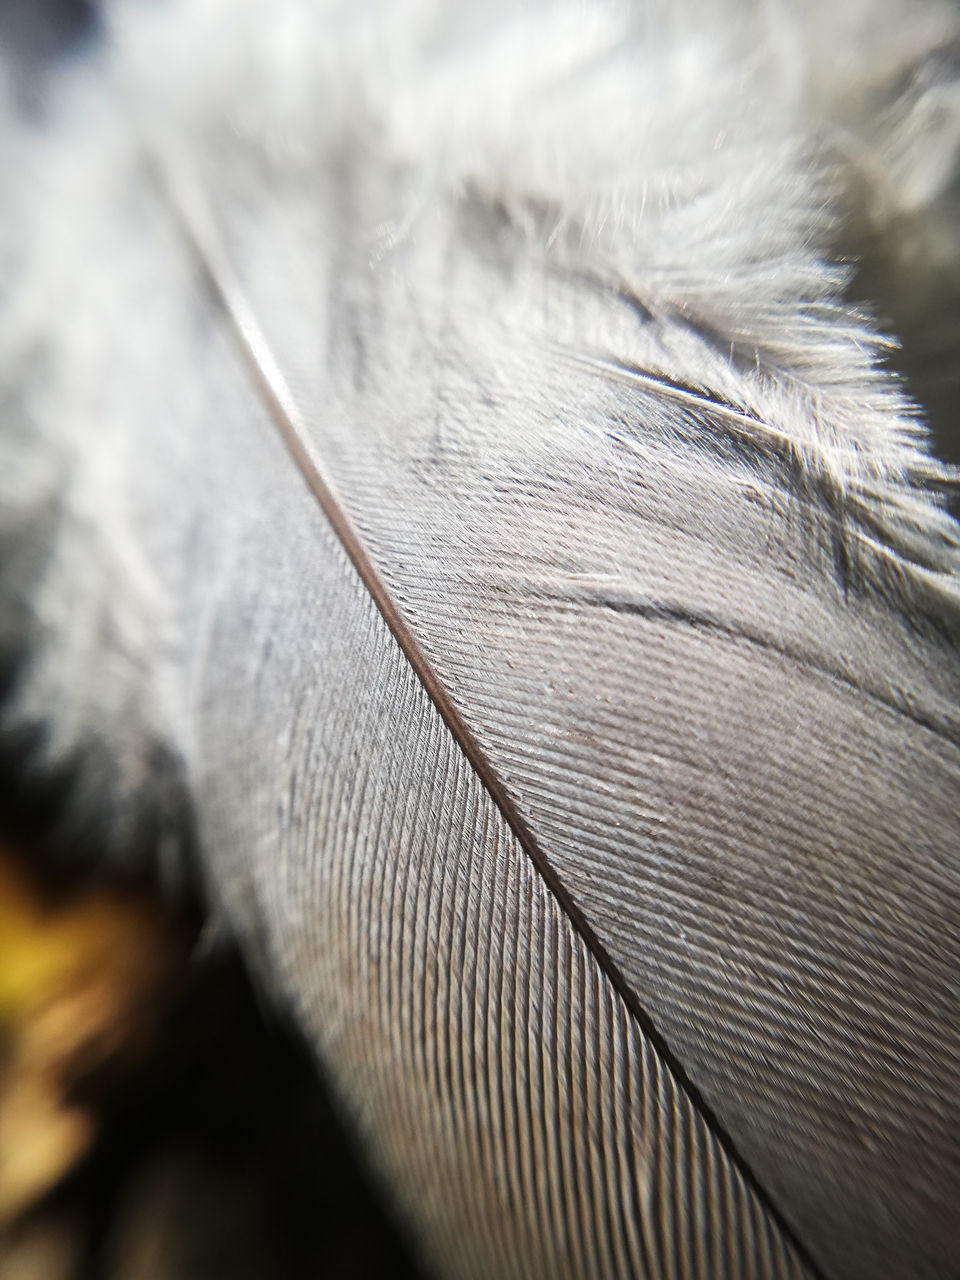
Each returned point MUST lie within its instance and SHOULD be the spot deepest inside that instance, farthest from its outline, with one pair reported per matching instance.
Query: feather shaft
(193, 217)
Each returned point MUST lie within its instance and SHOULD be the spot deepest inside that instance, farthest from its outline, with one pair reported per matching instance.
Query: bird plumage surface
(584, 767)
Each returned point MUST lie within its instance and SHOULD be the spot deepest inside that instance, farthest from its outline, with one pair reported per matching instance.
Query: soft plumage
(641, 955)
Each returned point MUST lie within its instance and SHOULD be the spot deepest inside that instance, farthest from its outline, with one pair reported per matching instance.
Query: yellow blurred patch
(78, 983)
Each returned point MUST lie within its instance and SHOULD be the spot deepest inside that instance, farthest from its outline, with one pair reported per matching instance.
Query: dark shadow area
(908, 276)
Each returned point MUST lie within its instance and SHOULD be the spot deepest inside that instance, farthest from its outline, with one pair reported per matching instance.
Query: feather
(584, 766)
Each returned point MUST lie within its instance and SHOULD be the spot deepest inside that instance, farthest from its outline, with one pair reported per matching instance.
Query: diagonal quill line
(689, 396)
(936, 476)
(193, 218)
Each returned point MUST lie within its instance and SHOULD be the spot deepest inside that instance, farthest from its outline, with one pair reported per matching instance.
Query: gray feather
(589, 782)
